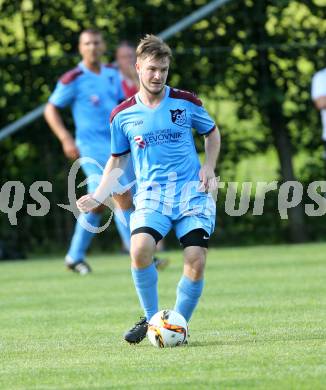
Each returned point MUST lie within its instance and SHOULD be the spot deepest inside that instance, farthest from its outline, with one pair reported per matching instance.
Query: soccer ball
(167, 328)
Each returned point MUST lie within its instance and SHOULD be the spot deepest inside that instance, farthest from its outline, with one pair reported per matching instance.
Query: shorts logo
(178, 117)
(139, 141)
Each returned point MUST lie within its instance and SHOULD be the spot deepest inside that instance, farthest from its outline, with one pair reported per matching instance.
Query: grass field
(261, 324)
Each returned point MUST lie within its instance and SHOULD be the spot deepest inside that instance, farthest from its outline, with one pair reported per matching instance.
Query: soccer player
(125, 56)
(91, 90)
(318, 92)
(173, 189)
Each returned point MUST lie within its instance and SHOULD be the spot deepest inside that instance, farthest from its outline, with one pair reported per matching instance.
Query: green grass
(261, 324)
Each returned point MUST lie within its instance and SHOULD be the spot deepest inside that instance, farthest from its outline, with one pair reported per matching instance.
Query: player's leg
(191, 284)
(82, 236)
(124, 208)
(81, 239)
(143, 270)
(148, 228)
(124, 205)
(144, 275)
(194, 231)
(123, 211)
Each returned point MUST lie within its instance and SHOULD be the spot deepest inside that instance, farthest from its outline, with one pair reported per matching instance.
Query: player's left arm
(212, 151)
(205, 126)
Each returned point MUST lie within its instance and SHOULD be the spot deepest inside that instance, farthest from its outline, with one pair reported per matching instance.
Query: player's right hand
(87, 203)
(70, 148)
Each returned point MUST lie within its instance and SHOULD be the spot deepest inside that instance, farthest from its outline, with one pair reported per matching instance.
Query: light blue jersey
(92, 97)
(164, 156)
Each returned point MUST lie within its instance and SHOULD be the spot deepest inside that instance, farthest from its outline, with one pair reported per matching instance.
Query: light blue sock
(124, 230)
(145, 280)
(82, 237)
(188, 294)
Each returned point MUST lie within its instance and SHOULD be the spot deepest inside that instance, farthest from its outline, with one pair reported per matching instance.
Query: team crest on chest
(178, 117)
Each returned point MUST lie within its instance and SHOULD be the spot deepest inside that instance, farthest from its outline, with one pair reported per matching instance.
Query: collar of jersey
(86, 70)
(162, 102)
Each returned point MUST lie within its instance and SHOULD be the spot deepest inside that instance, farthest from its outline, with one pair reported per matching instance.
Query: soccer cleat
(137, 333)
(81, 267)
(160, 264)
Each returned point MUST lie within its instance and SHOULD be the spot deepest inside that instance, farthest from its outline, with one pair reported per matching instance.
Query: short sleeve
(318, 87)
(201, 121)
(119, 142)
(63, 95)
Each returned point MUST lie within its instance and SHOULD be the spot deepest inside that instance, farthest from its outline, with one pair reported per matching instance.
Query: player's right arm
(54, 120)
(109, 184)
(64, 95)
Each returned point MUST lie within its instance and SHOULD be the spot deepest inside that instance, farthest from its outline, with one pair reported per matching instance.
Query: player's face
(125, 57)
(91, 47)
(153, 73)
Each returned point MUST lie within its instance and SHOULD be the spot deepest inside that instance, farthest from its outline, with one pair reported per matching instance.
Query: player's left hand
(207, 179)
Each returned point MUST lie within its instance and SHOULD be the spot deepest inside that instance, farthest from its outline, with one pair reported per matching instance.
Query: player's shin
(188, 294)
(145, 280)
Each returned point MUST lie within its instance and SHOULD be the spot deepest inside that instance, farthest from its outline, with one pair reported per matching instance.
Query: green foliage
(250, 61)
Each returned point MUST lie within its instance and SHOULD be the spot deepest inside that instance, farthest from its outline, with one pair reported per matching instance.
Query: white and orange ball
(167, 328)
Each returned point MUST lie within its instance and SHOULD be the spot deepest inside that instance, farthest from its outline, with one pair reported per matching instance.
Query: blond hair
(153, 46)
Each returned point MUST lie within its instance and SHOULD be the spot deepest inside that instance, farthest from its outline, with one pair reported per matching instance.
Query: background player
(92, 90)
(172, 188)
(125, 56)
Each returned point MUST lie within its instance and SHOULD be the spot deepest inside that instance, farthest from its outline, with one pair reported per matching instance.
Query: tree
(265, 62)
(258, 54)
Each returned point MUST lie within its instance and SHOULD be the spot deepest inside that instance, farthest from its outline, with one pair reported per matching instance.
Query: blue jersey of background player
(155, 126)
(91, 96)
(92, 90)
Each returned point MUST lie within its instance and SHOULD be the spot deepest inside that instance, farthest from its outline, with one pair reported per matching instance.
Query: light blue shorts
(182, 222)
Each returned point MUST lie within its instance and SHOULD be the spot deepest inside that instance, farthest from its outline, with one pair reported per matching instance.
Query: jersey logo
(178, 117)
(95, 100)
(139, 141)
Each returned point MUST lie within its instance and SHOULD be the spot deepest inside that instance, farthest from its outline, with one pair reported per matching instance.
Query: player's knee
(195, 260)
(141, 251)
